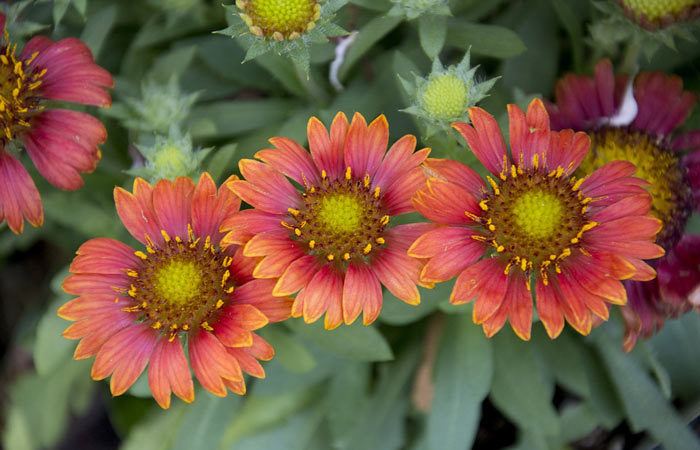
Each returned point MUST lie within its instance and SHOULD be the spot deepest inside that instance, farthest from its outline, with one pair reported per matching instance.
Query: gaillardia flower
(61, 143)
(321, 220)
(138, 307)
(285, 27)
(534, 226)
(652, 14)
(642, 130)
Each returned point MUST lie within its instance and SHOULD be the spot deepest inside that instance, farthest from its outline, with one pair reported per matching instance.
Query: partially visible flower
(160, 107)
(329, 236)
(652, 14)
(535, 228)
(412, 9)
(285, 27)
(61, 143)
(170, 157)
(138, 308)
(446, 94)
(641, 127)
(643, 24)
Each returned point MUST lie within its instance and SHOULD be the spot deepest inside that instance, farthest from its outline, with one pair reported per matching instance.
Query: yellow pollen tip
(380, 240)
(206, 326)
(132, 273)
(229, 289)
(185, 327)
(366, 181)
(346, 256)
(225, 278)
(376, 192)
(324, 174)
(348, 173)
(140, 254)
(157, 325)
(367, 249)
(219, 303)
(330, 257)
(165, 235)
(150, 250)
(292, 211)
(312, 244)
(500, 249)
(483, 205)
(578, 184)
(297, 231)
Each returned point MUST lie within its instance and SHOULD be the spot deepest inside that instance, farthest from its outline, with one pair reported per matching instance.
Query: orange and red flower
(61, 143)
(135, 308)
(320, 222)
(534, 226)
(642, 128)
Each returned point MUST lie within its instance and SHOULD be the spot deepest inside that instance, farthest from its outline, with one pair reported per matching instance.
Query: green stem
(630, 60)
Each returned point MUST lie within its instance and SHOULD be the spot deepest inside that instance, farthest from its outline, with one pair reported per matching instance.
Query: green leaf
(521, 389)
(356, 341)
(98, 28)
(349, 388)
(645, 406)
(568, 18)
(368, 35)
(487, 40)
(264, 411)
(463, 373)
(294, 433)
(50, 348)
(397, 312)
(205, 421)
(172, 64)
(432, 32)
(381, 422)
(156, 432)
(221, 162)
(229, 118)
(289, 352)
(562, 355)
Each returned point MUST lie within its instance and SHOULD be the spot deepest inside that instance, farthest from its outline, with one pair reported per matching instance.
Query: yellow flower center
(181, 284)
(341, 220)
(178, 282)
(279, 19)
(444, 97)
(659, 166)
(538, 213)
(18, 97)
(658, 9)
(341, 213)
(534, 219)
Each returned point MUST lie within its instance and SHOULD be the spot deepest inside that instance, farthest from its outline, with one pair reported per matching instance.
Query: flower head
(653, 14)
(61, 143)
(626, 123)
(285, 27)
(534, 227)
(331, 238)
(138, 307)
(446, 94)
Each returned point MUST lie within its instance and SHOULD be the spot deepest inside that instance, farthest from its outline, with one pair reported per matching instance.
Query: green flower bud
(160, 107)
(445, 95)
(170, 157)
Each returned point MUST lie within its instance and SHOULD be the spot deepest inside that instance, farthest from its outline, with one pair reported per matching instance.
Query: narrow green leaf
(204, 422)
(463, 373)
(645, 406)
(356, 341)
(229, 118)
(156, 431)
(221, 162)
(50, 348)
(98, 28)
(432, 32)
(487, 40)
(521, 389)
(368, 35)
(397, 312)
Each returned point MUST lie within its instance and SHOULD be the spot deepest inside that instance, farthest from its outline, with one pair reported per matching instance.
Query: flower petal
(19, 198)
